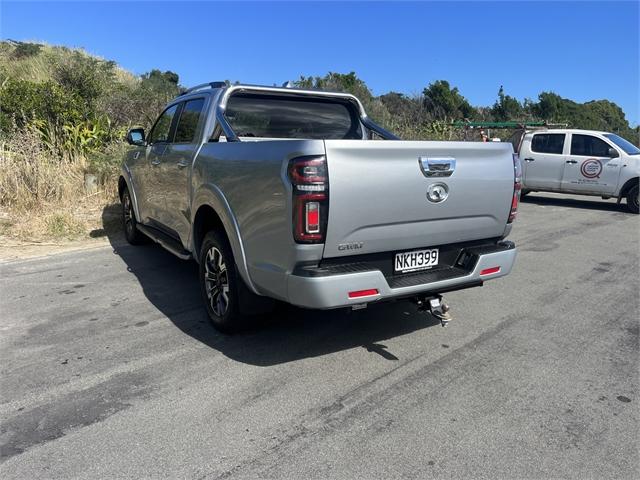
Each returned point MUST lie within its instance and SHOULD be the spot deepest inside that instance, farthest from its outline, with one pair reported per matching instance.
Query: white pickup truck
(582, 162)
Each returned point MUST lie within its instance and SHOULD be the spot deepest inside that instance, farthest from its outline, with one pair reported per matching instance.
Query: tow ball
(436, 307)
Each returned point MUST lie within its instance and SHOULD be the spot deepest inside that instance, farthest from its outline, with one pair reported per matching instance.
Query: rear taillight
(517, 187)
(310, 183)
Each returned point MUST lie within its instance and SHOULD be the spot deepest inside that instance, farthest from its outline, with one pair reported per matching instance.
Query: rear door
(389, 195)
(543, 160)
(176, 167)
(588, 168)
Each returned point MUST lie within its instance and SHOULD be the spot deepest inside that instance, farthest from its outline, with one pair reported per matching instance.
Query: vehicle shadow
(587, 203)
(286, 335)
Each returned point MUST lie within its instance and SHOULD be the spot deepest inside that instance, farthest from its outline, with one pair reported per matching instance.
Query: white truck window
(588, 146)
(628, 147)
(548, 143)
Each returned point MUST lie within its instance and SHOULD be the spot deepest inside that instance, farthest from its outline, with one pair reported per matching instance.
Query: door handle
(155, 162)
(182, 164)
(572, 161)
(529, 159)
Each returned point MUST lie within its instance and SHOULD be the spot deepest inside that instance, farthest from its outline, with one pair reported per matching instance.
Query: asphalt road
(109, 369)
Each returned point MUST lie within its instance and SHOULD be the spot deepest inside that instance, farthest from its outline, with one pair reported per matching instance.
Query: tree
(446, 103)
(506, 107)
(349, 83)
(594, 115)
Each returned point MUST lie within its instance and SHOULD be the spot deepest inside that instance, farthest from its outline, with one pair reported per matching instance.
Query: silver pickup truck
(296, 195)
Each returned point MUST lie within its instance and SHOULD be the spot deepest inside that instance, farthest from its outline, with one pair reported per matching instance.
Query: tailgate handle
(437, 166)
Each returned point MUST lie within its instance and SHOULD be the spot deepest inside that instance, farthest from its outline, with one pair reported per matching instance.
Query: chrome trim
(437, 192)
(437, 166)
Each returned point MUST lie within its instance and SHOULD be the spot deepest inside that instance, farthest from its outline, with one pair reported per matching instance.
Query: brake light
(310, 183)
(517, 187)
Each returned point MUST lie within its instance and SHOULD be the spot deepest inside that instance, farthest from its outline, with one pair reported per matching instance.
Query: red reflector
(489, 271)
(363, 293)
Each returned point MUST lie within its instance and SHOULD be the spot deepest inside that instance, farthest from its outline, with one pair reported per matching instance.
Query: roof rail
(205, 85)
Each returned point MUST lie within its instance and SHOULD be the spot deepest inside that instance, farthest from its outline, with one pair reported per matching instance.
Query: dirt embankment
(96, 226)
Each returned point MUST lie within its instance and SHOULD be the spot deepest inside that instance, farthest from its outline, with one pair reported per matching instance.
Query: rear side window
(273, 116)
(162, 128)
(188, 122)
(588, 146)
(548, 143)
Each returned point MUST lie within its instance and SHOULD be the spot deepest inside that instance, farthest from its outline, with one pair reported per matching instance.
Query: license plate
(416, 260)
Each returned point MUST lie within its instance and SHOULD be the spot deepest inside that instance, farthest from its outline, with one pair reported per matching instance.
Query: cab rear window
(548, 143)
(272, 116)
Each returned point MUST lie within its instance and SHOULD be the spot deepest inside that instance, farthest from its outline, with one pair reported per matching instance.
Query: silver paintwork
(377, 197)
(331, 292)
(378, 194)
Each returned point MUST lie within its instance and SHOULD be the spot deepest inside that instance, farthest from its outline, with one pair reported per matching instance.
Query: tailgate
(378, 194)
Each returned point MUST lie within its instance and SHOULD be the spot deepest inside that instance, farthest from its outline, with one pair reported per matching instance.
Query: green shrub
(25, 50)
(47, 101)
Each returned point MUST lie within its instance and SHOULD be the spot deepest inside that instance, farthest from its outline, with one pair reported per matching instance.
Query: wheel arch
(628, 185)
(212, 211)
(125, 180)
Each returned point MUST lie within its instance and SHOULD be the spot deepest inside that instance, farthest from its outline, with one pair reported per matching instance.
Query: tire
(230, 304)
(632, 200)
(129, 221)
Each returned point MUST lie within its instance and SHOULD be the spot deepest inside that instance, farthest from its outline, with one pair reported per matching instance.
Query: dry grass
(41, 67)
(42, 195)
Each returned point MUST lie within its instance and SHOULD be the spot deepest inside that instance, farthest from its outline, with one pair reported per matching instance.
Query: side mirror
(613, 153)
(135, 136)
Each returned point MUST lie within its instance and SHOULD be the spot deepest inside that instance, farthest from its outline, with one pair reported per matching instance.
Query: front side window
(162, 128)
(188, 122)
(588, 146)
(279, 116)
(628, 147)
(548, 143)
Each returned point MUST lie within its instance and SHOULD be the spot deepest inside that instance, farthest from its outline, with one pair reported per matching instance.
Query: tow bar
(436, 307)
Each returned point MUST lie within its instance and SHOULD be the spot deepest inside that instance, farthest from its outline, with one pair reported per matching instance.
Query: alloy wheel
(216, 280)
(127, 210)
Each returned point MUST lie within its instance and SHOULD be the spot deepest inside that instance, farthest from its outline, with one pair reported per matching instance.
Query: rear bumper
(331, 290)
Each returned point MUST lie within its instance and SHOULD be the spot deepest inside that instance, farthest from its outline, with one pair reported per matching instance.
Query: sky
(580, 50)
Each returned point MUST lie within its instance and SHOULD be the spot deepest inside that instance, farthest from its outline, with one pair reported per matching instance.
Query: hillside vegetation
(64, 114)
